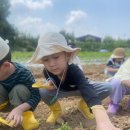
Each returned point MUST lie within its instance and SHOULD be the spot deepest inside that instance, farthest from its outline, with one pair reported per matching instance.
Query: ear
(68, 54)
(6, 64)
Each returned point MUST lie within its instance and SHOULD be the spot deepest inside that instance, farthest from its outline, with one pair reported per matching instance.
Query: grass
(21, 56)
(93, 55)
(86, 56)
(64, 126)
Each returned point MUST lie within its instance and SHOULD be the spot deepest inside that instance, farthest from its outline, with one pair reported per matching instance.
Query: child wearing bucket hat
(115, 61)
(66, 79)
(121, 87)
(16, 91)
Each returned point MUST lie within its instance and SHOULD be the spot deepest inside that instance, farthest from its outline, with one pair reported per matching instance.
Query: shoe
(29, 121)
(112, 108)
(56, 112)
(84, 109)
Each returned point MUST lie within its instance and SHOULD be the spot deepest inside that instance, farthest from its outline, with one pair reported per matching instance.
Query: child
(16, 89)
(121, 87)
(67, 79)
(115, 61)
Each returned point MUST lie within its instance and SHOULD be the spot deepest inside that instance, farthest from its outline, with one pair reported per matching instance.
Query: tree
(68, 36)
(6, 29)
(4, 9)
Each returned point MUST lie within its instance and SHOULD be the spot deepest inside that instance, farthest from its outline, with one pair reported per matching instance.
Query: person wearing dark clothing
(16, 90)
(64, 78)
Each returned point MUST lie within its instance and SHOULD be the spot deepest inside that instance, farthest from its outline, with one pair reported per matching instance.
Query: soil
(72, 115)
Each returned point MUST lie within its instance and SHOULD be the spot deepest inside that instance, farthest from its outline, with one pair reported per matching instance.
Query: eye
(45, 59)
(56, 57)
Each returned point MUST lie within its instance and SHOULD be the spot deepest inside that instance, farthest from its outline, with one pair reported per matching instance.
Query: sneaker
(128, 104)
(112, 108)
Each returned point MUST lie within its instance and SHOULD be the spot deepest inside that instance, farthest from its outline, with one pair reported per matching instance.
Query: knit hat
(4, 48)
(52, 43)
(118, 53)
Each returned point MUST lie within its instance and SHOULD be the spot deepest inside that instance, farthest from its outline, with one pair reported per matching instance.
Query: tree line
(23, 42)
(108, 43)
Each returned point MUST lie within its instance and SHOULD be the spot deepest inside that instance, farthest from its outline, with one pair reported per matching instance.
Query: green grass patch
(21, 56)
(25, 56)
(93, 55)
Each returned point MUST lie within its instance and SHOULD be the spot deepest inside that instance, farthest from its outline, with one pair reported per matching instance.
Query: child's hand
(104, 126)
(102, 119)
(15, 116)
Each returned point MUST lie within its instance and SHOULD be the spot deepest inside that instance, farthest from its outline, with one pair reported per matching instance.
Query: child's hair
(6, 58)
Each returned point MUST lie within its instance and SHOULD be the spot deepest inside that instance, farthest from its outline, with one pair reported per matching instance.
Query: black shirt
(75, 80)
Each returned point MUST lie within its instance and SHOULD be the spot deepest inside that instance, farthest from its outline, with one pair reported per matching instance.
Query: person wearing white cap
(16, 91)
(121, 87)
(115, 61)
(64, 78)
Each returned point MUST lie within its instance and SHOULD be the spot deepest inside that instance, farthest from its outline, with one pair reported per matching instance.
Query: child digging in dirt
(67, 79)
(121, 87)
(16, 90)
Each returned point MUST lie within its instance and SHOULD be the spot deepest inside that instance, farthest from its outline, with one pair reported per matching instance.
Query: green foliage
(68, 36)
(6, 30)
(25, 56)
(88, 45)
(25, 43)
(17, 41)
(64, 126)
(4, 9)
(107, 43)
(21, 56)
(94, 55)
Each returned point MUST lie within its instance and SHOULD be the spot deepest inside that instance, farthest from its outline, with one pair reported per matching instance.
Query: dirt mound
(71, 114)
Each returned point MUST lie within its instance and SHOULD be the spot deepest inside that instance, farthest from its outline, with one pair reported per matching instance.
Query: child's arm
(16, 114)
(126, 83)
(102, 119)
(110, 69)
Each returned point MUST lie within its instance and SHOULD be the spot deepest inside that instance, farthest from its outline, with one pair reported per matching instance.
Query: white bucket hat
(52, 43)
(4, 48)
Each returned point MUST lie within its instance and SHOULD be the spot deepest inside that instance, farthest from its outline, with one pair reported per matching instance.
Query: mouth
(54, 70)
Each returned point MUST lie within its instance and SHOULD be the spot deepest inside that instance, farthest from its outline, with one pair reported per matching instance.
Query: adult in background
(115, 61)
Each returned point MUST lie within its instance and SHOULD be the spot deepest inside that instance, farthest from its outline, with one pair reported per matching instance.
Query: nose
(52, 63)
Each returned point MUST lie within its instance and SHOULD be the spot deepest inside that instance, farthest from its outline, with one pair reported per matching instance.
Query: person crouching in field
(16, 91)
(67, 79)
(121, 87)
(115, 61)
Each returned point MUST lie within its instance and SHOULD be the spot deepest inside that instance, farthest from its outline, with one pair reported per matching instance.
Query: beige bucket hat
(118, 53)
(4, 48)
(52, 43)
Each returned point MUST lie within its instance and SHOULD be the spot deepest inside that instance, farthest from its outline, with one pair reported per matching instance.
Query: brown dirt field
(71, 114)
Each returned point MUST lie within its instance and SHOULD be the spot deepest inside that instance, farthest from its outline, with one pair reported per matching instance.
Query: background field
(86, 57)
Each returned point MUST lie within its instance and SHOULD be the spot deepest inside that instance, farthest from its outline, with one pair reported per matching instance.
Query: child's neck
(63, 75)
(9, 71)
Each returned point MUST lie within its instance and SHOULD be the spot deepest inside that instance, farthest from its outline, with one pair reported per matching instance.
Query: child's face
(56, 63)
(119, 59)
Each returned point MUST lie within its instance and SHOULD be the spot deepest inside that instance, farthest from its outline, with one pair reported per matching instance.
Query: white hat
(52, 43)
(4, 48)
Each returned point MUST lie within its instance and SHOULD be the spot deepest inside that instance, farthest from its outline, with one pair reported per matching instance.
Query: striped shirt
(22, 76)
